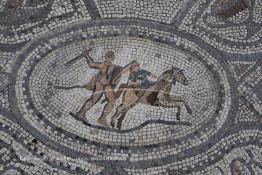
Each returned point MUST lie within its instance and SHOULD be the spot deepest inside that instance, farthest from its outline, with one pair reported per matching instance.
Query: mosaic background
(218, 43)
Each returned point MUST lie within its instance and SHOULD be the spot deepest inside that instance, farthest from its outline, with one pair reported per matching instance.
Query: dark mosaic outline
(218, 39)
(35, 16)
(178, 19)
(92, 9)
(18, 46)
(148, 122)
(27, 146)
(249, 23)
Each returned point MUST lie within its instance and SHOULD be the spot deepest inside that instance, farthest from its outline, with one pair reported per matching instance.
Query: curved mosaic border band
(128, 24)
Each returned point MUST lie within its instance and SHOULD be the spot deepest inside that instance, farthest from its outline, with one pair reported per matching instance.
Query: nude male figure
(104, 84)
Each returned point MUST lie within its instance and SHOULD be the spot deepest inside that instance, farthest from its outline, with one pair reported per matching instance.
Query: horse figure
(157, 94)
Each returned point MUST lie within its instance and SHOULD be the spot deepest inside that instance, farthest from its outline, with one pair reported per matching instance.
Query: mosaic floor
(143, 87)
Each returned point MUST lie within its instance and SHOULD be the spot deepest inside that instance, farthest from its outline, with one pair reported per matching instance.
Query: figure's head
(179, 76)
(135, 66)
(109, 56)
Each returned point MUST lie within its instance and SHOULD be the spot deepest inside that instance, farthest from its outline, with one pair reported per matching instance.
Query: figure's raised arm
(90, 61)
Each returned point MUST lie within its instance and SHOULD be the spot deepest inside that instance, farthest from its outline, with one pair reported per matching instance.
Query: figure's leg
(124, 111)
(97, 93)
(109, 93)
(120, 90)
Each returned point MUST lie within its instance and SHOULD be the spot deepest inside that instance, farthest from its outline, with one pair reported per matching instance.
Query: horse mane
(170, 72)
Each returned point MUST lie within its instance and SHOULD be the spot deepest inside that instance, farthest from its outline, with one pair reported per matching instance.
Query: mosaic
(130, 87)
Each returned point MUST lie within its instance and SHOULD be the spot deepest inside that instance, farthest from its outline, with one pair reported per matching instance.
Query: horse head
(179, 76)
(167, 76)
(174, 75)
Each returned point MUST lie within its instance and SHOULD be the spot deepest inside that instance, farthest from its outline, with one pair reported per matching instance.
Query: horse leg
(97, 94)
(120, 120)
(174, 104)
(112, 122)
(182, 100)
(119, 111)
(124, 112)
(129, 100)
(178, 113)
(188, 109)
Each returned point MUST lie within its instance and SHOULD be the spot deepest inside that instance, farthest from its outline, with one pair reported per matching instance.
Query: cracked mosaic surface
(203, 55)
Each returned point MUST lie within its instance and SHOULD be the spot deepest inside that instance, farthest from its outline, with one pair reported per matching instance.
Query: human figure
(104, 84)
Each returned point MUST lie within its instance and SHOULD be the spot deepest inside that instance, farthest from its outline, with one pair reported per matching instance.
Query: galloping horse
(157, 94)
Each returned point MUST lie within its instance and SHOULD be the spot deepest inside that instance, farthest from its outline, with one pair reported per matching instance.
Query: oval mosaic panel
(174, 92)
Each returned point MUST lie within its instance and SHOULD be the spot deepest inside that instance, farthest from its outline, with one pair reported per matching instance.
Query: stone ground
(218, 43)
